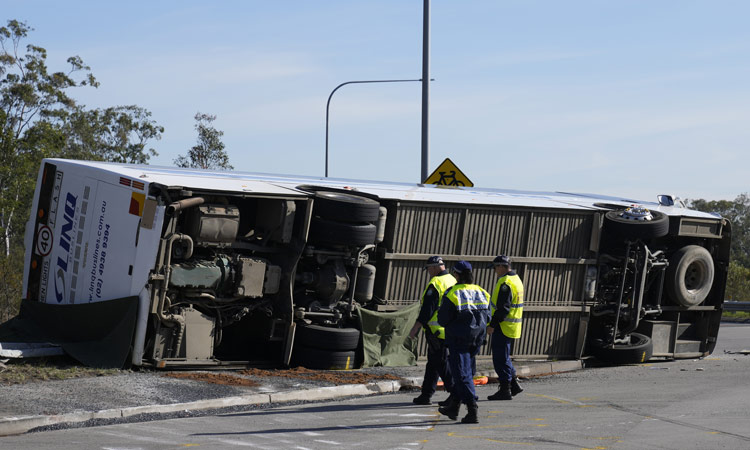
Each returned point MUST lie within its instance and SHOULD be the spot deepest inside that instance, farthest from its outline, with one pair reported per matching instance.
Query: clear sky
(631, 98)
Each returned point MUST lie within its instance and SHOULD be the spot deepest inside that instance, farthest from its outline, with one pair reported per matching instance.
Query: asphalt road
(687, 404)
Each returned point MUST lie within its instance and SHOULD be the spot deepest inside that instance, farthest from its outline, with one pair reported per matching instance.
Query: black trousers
(437, 365)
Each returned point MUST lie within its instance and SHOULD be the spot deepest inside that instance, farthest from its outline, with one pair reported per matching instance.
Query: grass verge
(44, 369)
(735, 316)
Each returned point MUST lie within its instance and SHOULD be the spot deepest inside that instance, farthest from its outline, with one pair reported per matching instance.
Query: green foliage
(735, 315)
(11, 270)
(30, 96)
(738, 283)
(116, 134)
(738, 213)
(209, 152)
(49, 368)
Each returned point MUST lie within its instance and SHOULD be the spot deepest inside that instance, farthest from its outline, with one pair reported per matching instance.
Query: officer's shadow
(386, 409)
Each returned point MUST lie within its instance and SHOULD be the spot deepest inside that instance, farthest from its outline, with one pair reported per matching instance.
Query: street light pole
(425, 90)
(328, 104)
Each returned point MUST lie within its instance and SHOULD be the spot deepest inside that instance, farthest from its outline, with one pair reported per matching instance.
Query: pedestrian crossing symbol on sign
(447, 174)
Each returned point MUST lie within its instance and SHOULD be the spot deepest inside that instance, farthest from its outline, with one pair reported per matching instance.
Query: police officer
(464, 312)
(505, 326)
(437, 352)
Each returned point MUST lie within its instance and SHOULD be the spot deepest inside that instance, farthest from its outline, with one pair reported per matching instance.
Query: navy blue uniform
(464, 312)
(437, 351)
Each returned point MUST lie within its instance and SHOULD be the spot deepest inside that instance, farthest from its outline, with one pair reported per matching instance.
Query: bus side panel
(551, 250)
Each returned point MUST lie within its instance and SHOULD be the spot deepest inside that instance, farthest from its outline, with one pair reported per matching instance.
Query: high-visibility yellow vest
(469, 297)
(511, 325)
(441, 283)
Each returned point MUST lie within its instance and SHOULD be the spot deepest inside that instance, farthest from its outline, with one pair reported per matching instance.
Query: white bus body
(226, 265)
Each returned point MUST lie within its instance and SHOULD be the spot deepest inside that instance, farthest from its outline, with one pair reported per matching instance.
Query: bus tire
(327, 338)
(330, 232)
(317, 359)
(620, 227)
(690, 275)
(639, 350)
(345, 207)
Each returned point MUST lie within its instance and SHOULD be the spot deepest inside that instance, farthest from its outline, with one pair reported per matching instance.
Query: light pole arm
(328, 103)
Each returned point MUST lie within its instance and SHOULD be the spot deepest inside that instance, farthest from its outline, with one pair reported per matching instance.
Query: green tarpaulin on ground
(385, 337)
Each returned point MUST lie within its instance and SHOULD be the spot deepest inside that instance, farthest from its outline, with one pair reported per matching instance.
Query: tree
(209, 152)
(29, 97)
(116, 134)
(738, 283)
(738, 213)
(38, 119)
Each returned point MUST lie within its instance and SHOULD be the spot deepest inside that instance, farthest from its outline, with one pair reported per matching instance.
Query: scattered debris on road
(336, 377)
(246, 377)
(741, 352)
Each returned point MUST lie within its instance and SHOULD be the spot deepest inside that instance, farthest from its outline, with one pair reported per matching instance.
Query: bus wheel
(690, 275)
(330, 232)
(317, 359)
(639, 350)
(636, 223)
(345, 207)
(327, 338)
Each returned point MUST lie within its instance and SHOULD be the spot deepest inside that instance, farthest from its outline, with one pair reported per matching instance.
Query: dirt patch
(215, 378)
(245, 377)
(334, 377)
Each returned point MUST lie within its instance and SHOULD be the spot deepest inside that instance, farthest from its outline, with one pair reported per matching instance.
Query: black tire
(690, 275)
(639, 350)
(327, 338)
(345, 207)
(317, 359)
(620, 227)
(329, 232)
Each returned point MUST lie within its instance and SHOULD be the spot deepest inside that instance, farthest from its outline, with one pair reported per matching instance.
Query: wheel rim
(637, 213)
(695, 276)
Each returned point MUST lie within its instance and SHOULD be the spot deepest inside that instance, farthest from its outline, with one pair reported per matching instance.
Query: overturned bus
(208, 268)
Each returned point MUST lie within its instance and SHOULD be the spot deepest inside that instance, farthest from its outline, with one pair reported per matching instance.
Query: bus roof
(262, 183)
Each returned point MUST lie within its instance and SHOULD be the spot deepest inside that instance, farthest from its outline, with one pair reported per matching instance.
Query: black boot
(451, 410)
(503, 393)
(515, 387)
(423, 399)
(471, 416)
(448, 401)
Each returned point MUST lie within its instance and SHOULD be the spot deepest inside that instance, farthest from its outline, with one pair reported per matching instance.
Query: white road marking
(235, 442)
(123, 448)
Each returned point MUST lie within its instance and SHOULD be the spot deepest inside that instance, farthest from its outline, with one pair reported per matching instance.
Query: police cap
(434, 261)
(501, 260)
(462, 266)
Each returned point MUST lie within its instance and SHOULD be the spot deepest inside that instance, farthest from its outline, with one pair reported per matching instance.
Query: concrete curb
(523, 370)
(545, 368)
(19, 425)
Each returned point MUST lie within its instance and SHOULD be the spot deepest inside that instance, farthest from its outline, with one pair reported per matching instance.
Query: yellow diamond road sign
(447, 174)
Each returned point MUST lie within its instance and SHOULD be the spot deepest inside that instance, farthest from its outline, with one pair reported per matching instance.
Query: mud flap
(95, 334)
